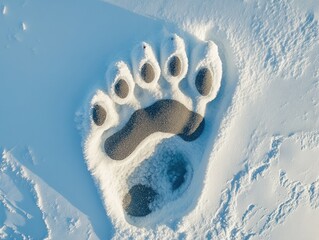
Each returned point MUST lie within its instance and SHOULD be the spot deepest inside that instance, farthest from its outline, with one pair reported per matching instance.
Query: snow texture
(116, 178)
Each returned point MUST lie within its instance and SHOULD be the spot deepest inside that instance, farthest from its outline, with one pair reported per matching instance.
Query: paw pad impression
(145, 141)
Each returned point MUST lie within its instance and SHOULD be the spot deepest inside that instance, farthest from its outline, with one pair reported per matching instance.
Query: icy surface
(261, 181)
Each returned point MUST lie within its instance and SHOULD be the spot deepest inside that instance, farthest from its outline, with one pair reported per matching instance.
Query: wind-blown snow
(262, 178)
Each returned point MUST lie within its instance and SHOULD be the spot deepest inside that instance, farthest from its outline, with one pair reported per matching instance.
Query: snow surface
(262, 178)
(115, 178)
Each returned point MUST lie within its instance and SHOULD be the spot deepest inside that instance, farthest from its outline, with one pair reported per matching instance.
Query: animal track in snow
(146, 137)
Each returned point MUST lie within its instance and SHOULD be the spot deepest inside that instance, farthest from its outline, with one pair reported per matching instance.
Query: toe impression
(147, 73)
(175, 66)
(204, 81)
(98, 115)
(121, 88)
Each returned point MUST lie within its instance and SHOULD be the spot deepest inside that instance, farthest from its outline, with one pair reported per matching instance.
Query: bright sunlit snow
(67, 169)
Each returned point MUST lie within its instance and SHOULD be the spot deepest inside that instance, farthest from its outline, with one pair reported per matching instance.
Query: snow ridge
(23, 217)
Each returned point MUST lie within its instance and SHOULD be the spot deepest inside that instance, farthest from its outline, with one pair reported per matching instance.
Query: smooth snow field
(125, 119)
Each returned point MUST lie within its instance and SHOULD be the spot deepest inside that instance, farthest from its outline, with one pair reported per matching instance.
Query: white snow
(4, 10)
(142, 54)
(261, 178)
(24, 26)
(51, 216)
(115, 178)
